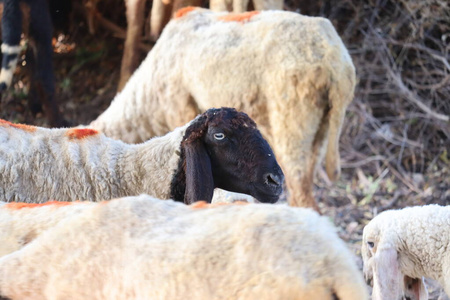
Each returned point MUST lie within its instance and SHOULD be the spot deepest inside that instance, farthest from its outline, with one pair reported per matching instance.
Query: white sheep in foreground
(220, 148)
(400, 247)
(291, 73)
(144, 248)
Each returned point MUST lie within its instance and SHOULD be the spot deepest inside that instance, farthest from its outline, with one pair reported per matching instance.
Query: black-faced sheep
(400, 247)
(144, 248)
(291, 73)
(42, 89)
(220, 148)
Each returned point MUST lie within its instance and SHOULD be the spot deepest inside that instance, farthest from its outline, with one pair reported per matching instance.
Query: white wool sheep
(144, 248)
(220, 148)
(400, 247)
(291, 73)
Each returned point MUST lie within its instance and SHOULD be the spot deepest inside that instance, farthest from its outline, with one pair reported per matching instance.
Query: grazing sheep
(220, 148)
(144, 248)
(291, 73)
(400, 247)
(42, 87)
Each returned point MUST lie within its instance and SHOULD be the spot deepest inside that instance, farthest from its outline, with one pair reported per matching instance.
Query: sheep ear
(415, 288)
(386, 275)
(199, 178)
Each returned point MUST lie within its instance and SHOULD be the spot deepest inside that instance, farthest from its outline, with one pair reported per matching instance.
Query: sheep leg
(160, 16)
(298, 156)
(11, 32)
(298, 129)
(130, 59)
(240, 6)
(42, 84)
(178, 4)
(268, 4)
(220, 5)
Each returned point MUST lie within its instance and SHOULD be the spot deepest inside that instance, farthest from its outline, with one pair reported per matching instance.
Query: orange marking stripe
(80, 133)
(184, 11)
(28, 128)
(238, 17)
(203, 204)
(20, 205)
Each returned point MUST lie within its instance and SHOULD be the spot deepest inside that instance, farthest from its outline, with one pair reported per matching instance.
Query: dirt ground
(394, 152)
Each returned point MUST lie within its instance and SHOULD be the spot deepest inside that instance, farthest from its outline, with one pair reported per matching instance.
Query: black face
(241, 159)
(223, 148)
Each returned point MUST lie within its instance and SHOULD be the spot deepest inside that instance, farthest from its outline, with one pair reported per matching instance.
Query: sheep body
(144, 248)
(408, 244)
(47, 164)
(291, 73)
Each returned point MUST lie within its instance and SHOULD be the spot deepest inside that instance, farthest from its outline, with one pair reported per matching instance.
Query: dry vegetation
(395, 145)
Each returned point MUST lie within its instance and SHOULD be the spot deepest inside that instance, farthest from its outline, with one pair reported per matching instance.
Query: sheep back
(40, 164)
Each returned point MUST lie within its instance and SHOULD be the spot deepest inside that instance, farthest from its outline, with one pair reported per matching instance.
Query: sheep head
(223, 148)
(380, 255)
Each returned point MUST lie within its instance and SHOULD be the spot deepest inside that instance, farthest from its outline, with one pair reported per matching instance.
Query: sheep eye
(371, 244)
(219, 136)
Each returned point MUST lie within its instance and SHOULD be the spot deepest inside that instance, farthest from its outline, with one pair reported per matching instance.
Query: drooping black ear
(199, 177)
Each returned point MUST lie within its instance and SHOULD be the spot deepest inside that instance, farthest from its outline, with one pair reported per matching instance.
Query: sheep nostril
(272, 179)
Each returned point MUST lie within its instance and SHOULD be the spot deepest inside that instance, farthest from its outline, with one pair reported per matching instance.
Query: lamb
(220, 148)
(291, 73)
(145, 248)
(42, 89)
(400, 247)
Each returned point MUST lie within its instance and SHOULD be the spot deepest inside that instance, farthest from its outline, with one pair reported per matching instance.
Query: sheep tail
(332, 160)
(338, 101)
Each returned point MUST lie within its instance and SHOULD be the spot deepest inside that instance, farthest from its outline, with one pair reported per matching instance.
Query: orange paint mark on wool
(184, 11)
(28, 128)
(20, 205)
(80, 133)
(203, 204)
(239, 17)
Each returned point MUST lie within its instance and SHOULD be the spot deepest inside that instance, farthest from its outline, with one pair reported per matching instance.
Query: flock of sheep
(294, 78)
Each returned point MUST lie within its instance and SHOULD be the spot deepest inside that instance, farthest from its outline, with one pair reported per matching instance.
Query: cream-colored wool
(291, 73)
(400, 247)
(40, 164)
(19, 226)
(144, 248)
